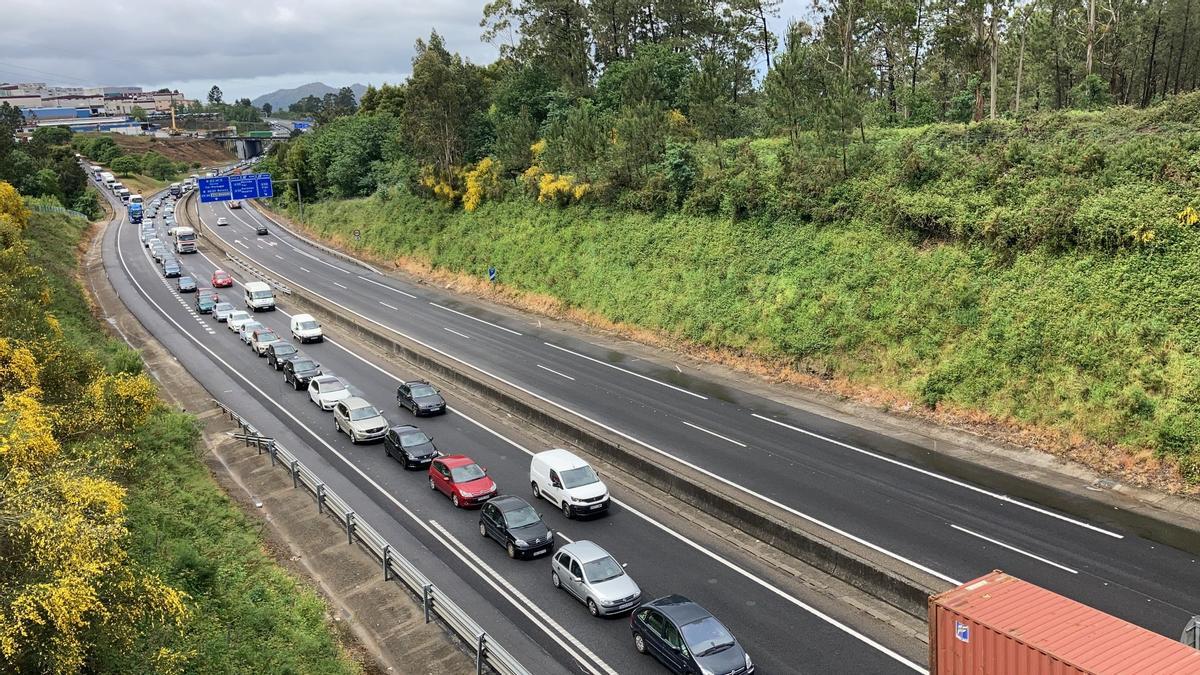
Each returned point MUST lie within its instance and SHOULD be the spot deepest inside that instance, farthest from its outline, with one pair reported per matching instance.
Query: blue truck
(135, 212)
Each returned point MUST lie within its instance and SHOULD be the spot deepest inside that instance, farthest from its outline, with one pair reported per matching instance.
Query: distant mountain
(280, 99)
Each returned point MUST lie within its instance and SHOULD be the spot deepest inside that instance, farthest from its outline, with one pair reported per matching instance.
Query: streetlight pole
(299, 197)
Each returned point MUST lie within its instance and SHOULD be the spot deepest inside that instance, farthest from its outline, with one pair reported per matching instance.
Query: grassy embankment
(247, 613)
(1036, 274)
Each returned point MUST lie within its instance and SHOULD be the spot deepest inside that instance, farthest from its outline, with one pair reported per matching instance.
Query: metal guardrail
(43, 208)
(490, 657)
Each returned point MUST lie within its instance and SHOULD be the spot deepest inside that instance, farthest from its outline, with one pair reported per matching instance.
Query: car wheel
(432, 486)
(592, 608)
(566, 510)
(454, 500)
(638, 643)
(537, 494)
(353, 437)
(555, 580)
(482, 530)
(337, 426)
(296, 383)
(512, 550)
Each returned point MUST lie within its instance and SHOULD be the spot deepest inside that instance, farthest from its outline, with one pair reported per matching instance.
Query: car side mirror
(577, 579)
(623, 565)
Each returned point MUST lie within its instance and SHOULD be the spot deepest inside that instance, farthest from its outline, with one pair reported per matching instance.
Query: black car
(279, 353)
(686, 638)
(206, 299)
(260, 228)
(298, 371)
(171, 269)
(410, 446)
(420, 397)
(519, 529)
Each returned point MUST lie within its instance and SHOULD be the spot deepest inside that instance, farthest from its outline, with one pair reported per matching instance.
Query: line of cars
(681, 634)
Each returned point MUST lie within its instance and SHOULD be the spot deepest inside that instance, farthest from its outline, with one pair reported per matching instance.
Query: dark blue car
(686, 638)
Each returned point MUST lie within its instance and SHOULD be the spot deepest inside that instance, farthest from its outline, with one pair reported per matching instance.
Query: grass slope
(248, 614)
(991, 267)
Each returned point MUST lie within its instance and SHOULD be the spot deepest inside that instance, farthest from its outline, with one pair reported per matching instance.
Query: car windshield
(521, 517)
(332, 384)
(284, 350)
(267, 337)
(414, 438)
(464, 474)
(303, 365)
(238, 316)
(186, 280)
(251, 326)
(602, 570)
(307, 325)
(423, 390)
(584, 475)
(363, 413)
(258, 295)
(706, 636)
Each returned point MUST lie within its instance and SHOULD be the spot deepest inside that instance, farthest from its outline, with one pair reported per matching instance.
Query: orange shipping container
(1001, 625)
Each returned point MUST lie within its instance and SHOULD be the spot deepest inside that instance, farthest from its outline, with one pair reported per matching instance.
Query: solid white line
(474, 318)
(527, 602)
(521, 606)
(623, 370)
(1013, 548)
(396, 290)
(975, 488)
(340, 286)
(457, 333)
(239, 243)
(555, 372)
(628, 437)
(713, 433)
(389, 306)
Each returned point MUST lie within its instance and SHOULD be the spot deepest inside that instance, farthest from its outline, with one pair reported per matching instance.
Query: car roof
(401, 428)
(412, 382)
(508, 503)
(355, 402)
(585, 551)
(455, 460)
(302, 317)
(679, 609)
(560, 459)
(328, 377)
(283, 343)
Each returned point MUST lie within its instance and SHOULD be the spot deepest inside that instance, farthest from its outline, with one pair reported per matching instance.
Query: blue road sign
(243, 186)
(301, 126)
(491, 273)
(214, 189)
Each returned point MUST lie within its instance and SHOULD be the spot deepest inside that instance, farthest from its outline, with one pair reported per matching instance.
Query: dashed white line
(279, 256)
(560, 534)
(395, 290)
(974, 488)
(340, 286)
(239, 243)
(555, 372)
(1013, 548)
(305, 271)
(464, 335)
(627, 371)
(713, 433)
(389, 306)
(474, 318)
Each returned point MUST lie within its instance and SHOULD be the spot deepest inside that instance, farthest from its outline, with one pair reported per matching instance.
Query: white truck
(185, 239)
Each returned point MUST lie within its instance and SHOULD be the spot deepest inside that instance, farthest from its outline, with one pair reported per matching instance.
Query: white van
(568, 482)
(259, 296)
(306, 329)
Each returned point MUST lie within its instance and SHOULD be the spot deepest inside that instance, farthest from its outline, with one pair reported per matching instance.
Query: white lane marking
(713, 433)
(279, 256)
(555, 372)
(463, 335)
(239, 243)
(560, 534)
(389, 306)
(528, 603)
(564, 639)
(624, 370)
(974, 488)
(396, 290)
(474, 318)
(737, 486)
(305, 271)
(340, 286)
(1013, 548)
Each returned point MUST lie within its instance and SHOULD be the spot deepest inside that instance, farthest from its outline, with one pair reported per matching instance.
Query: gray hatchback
(589, 573)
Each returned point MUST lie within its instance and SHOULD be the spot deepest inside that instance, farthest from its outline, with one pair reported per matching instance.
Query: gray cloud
(247, 47)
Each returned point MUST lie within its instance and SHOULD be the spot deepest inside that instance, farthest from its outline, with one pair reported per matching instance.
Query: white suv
(568, 482)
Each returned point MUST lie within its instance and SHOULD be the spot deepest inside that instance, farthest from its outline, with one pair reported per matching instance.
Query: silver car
(359, 420)
(589, 573)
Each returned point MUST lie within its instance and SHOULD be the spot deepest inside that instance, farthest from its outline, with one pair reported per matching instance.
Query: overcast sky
(247, 47)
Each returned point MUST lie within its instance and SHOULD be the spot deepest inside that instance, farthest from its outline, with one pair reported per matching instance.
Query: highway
(849, 479)
(784, 625)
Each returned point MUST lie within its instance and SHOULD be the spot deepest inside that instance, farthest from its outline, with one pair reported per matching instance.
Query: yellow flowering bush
(481, 181)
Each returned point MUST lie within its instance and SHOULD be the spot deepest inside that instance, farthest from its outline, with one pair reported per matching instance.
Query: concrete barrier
(901, 586)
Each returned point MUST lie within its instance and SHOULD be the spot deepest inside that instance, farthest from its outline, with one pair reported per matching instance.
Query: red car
(461, 479)
(221, 279)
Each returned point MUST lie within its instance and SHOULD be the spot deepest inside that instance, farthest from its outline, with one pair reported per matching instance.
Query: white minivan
(306, 329)
(568, 482)
(259, 296)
